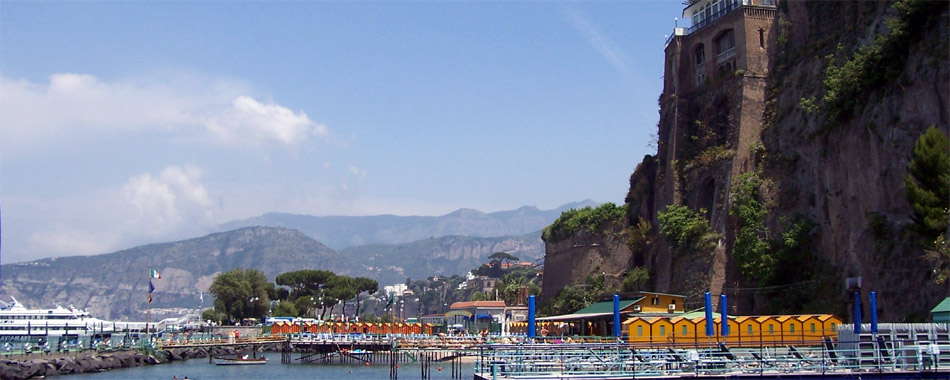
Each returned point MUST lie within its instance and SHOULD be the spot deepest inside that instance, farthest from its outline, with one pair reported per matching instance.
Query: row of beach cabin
(690, 329)
(282, 327)
(767, 330)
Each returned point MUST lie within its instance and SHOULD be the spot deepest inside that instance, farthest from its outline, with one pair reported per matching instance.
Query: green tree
(635, 279)
(640, 236)
(307, 282)
(241, 294)
(306, 306)
(212, 315)
(499, 258)
(939, 256)
(571, 299)
(685, 229)
(751, 250)
(364, 285)
(339, 289)
(928, 184)
(285, 309)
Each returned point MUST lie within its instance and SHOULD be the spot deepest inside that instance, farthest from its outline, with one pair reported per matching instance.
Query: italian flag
(153, 273)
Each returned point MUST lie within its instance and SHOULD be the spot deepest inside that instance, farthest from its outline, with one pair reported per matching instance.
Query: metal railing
(713, 17)
(622, 360)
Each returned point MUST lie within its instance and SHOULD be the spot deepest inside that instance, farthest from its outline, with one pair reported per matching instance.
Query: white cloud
(74, 108)
(166, 201)
(250, 121)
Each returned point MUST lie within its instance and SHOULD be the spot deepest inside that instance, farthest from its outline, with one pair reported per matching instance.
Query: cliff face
(835, 167)
(847, 175)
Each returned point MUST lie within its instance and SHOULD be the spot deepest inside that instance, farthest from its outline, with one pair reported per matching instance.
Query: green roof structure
(606, 307)
(941, 313)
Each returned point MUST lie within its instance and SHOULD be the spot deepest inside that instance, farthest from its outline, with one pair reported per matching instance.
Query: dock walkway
(619, 360)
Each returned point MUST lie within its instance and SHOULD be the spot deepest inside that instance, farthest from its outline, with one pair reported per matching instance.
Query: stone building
(711, 117)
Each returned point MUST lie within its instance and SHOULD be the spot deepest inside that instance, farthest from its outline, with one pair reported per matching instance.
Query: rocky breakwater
(38, 366)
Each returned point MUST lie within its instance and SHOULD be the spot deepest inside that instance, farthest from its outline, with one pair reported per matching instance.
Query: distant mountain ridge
(447, 255)
(115, 285)
(339, 232)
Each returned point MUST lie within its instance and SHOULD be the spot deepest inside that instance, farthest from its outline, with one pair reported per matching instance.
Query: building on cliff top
(712, 107)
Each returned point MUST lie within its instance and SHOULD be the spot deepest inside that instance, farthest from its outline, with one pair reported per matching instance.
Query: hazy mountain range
(115, 285)
(340, 232)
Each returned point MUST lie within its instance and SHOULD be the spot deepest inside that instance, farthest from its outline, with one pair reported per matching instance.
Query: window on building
(726, 43)
(750, 329)
(812, 327)
(639, 330)
(791, 328)
(662, 330)
(761, 38)
(771, 328)
(684, 331)
(700, 54)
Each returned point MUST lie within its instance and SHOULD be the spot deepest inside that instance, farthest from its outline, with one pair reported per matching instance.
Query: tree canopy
(241, 294)
(928, 183)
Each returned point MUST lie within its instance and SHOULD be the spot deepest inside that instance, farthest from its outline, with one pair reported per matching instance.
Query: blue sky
(126, 123)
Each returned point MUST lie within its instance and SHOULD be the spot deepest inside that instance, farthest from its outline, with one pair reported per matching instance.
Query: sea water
(200, 369)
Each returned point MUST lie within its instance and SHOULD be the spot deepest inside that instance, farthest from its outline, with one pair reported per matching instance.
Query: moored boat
(18, 322)
(240, 360)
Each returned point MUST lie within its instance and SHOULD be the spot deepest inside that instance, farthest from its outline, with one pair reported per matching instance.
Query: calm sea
(200, 369)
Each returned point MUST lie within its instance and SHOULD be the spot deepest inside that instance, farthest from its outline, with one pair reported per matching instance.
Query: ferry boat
(18, 322)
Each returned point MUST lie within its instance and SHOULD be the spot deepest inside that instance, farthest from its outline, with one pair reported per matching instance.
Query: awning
(566, 317)
(483, 316)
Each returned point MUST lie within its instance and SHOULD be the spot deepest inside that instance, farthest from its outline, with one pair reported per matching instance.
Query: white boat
(17, 321)
(240, 360)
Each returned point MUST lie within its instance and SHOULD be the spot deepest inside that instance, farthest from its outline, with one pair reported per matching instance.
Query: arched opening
(700, 53)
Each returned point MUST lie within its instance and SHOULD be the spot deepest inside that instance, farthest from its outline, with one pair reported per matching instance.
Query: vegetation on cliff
(686, 230)
(879, 62)
(753, 254)
(593, 220)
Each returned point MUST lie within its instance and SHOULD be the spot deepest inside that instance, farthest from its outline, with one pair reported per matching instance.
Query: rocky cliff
(796, 161)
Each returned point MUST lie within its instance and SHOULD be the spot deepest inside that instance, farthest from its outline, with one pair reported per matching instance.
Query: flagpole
(148, 314)
(148, 308)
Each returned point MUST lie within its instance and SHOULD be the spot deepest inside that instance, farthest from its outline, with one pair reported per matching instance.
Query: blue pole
(710, 329)
(617, 315)
(873, 312)
(857, 312)
(724, 310)
(531, 329)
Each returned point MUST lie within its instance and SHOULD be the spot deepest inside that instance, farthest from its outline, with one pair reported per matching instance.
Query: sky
(129, 123)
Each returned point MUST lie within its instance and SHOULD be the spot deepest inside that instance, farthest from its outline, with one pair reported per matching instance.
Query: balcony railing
(730, 6)
(724, 56)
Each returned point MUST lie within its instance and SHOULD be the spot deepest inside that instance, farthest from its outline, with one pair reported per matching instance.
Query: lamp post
(418, 308)
(313, 305)
(250, 303)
